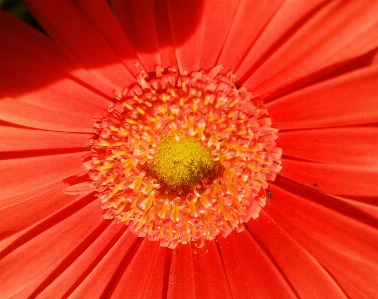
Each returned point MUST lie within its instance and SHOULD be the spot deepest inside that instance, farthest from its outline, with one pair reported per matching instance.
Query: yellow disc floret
(180, 164)
(184, 157)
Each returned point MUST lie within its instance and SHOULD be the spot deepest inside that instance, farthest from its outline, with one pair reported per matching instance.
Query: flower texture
(140, 158)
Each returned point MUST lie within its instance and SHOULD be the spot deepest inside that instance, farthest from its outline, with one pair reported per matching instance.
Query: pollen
(183, 158)
(180, 164)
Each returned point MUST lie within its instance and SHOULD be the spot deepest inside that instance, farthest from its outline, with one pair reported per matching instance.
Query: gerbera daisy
(140, 156)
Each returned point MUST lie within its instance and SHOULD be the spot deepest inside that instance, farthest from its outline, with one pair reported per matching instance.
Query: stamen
(184, 157)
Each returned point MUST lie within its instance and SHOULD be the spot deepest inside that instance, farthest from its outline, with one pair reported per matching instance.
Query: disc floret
(180, 164)
(184, 157)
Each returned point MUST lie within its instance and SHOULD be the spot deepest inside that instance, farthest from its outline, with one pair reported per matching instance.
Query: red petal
(26, 267)
(80, 188)
(244, 26)
(26, 212)
(100, 262)
(181, 274)
(199, 29)
(305, 274)
(340, 237)
(26, 140)
(336, 33)
(346, 100)
(353, 147)
(210, 278)
(140, 22)
(148, 262)
(81, 36)
(25, 174)
(250, 273)
(333, 179)
(27, 41)
(64, 105)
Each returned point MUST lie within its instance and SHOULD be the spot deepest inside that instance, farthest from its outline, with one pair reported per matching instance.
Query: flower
(183, 157)
(314, 67)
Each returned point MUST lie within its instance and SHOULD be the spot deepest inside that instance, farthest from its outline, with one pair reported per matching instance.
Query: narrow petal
(344, 101)
(199, 31)
(302, 270)
(28, 141)
(33, 209)
(341, 238)
(368, 205)
(148, 256)
(248, 267)
(280, 22)
(61, 285)
(105, 250)
(28, 266)
(102, 18)
(25, 174)
(252, 17)
(336, 33)
(146, 26)
(210, 278)
(353, 147)
(333, 179)
(181, 274)
(62, 106)
(27, 41)
(78, 37)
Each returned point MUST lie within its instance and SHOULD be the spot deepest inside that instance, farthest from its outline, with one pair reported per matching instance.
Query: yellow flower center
(180, 164)
(183, 157)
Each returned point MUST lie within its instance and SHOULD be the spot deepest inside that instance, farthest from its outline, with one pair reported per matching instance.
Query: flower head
(187, 154)
(184, 157)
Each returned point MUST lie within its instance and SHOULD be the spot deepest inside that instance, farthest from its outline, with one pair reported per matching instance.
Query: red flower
(313, 65)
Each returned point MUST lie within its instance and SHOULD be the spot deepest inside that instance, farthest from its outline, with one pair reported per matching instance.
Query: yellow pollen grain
(106, 166)
(206, 101)
(162, 110)
(141, 111)
(103, 143)
(232, 104)
(138, 100)
(241, 132)
(151, 118)
(128, 106)
(131, 121)
(123, 133)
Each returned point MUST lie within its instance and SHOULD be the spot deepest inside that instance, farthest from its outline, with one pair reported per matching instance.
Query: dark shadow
(182, 14)
(33, 70)
(19, 10)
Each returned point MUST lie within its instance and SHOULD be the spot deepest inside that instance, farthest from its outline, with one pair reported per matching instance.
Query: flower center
(183, 157)
(180, 164)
